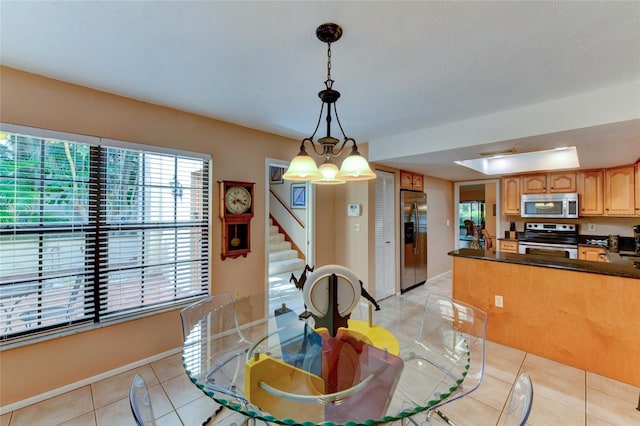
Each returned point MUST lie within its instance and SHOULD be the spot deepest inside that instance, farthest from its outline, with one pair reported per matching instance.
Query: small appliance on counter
(636, 238)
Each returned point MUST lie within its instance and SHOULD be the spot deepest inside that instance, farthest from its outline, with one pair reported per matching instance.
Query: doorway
(479, 202)
(288, 235)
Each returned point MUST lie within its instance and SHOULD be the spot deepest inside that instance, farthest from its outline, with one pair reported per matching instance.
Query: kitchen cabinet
(543, 183)
(619, 191)
(410, 180)
(594, 254)
(591, 192)
(511, 195)
(637, 166)
(534, 184)
(562, 182)
(508, 246)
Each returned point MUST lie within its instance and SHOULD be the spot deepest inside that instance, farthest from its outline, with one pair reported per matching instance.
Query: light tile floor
(563, 395)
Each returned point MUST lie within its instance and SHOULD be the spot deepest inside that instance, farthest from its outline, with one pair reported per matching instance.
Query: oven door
(544, 249)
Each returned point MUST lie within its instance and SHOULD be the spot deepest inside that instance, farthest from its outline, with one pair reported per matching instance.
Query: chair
(520, 401)
(451, 337)
(216, 315)
(140, 402)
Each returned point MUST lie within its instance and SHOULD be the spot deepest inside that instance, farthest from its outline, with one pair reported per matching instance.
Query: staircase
(282, 258)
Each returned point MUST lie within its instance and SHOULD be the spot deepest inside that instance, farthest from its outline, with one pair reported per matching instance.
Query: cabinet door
(418, 182)
(406, 180)
(590, 192)
(619, 193)
(508, 246)
(638, 189)
(594, 254)
(534, 184)
(511, 195)
(562, 182)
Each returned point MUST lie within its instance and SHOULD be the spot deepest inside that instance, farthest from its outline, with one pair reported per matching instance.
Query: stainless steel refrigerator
(413, 251)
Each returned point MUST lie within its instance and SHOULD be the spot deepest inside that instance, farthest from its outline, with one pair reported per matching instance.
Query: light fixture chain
(329, 82)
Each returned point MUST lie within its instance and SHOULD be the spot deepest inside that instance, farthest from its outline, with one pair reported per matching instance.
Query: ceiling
(425, 83)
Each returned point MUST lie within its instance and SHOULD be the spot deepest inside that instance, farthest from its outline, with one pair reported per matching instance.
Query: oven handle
(549, 245)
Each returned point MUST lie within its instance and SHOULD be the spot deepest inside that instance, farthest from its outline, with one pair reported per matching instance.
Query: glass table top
(277, 367)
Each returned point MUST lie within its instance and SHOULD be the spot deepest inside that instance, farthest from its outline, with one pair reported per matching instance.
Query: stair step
(282, 255)
(288, 265)
(283, 245)
(277, 238)
(273, 229)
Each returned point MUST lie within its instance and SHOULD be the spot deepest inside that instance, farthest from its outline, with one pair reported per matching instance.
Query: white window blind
(91, 232)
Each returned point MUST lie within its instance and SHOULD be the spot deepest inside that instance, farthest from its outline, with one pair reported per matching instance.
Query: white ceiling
(424, 82)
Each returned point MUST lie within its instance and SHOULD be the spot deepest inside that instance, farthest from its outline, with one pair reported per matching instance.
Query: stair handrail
(287, 208)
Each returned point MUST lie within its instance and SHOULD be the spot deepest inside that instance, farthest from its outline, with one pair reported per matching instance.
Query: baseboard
(72, 386)
(440, 275)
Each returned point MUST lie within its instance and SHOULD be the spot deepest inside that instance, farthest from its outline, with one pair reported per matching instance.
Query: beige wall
(440, 238)
(238, 154)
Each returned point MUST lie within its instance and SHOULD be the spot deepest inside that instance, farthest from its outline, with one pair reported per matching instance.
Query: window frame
(97, 229)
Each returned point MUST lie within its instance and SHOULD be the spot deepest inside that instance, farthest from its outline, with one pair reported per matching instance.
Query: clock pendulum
(235, 241)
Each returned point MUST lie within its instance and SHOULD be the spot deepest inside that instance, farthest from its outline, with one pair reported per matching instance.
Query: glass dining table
(280, 368)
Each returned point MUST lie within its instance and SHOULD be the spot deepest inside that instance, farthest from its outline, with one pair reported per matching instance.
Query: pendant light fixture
(354, 167)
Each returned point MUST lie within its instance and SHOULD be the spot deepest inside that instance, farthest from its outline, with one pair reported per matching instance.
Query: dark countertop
(623, 268)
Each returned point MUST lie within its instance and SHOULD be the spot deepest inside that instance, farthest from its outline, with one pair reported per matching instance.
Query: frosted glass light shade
(354, 168)
(329, 172)
(302, 167)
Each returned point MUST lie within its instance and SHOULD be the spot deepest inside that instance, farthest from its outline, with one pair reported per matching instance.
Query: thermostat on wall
(353, 210)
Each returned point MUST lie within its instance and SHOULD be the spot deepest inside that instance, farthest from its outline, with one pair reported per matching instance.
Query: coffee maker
(636, 238)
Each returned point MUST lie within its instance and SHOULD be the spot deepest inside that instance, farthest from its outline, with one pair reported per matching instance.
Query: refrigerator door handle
(416, 239)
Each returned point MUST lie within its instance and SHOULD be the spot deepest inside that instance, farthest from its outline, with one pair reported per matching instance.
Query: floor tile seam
(506, 402)
(631, 400)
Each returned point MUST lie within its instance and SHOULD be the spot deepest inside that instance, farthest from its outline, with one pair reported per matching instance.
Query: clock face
(237, 200)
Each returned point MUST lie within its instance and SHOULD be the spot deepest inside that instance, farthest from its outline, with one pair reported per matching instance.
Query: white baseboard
(72, 386)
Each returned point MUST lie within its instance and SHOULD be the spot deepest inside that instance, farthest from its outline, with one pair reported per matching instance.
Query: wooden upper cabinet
(591, 192)
(534, 184)
(511, 195)
(543, 183)
(619, 191)
(562, 182)
(418, 182)
(638, 188)
(410, 180)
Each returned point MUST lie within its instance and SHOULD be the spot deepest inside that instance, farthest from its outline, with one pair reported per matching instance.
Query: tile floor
(563, 395)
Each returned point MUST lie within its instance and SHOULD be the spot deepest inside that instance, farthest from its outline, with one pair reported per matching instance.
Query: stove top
(550, 233)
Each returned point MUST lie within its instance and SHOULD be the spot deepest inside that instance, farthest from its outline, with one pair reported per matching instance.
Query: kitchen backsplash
(621, 226)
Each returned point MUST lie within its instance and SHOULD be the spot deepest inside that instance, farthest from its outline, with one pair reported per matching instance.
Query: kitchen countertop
(619, 268)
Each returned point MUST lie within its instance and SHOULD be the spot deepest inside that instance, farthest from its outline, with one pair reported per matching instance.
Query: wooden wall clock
(236, 211)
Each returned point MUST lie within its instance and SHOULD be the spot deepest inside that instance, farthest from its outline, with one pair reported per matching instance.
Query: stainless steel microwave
(549, 205)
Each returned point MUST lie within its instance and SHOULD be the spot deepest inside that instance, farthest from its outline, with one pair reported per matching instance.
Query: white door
(385, 246)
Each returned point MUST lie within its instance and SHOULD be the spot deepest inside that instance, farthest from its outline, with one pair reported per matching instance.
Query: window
(94, 230)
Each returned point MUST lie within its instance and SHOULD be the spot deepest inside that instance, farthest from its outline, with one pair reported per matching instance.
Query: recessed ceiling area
(425, 83)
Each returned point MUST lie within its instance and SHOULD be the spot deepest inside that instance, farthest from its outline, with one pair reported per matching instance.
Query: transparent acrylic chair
(216, 315)
(451, 333)
(520, 402)
(140, 402)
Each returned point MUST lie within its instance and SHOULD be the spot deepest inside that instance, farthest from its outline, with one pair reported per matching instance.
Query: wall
(440, 223)
(238, 154)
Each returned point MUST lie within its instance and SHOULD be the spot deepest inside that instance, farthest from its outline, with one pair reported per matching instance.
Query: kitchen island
(584, 314)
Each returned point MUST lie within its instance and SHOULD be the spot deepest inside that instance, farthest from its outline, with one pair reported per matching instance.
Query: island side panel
(585, 320)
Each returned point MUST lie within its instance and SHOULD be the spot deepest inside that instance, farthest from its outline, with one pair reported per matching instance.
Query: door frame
(309, 250)
(456, 208)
